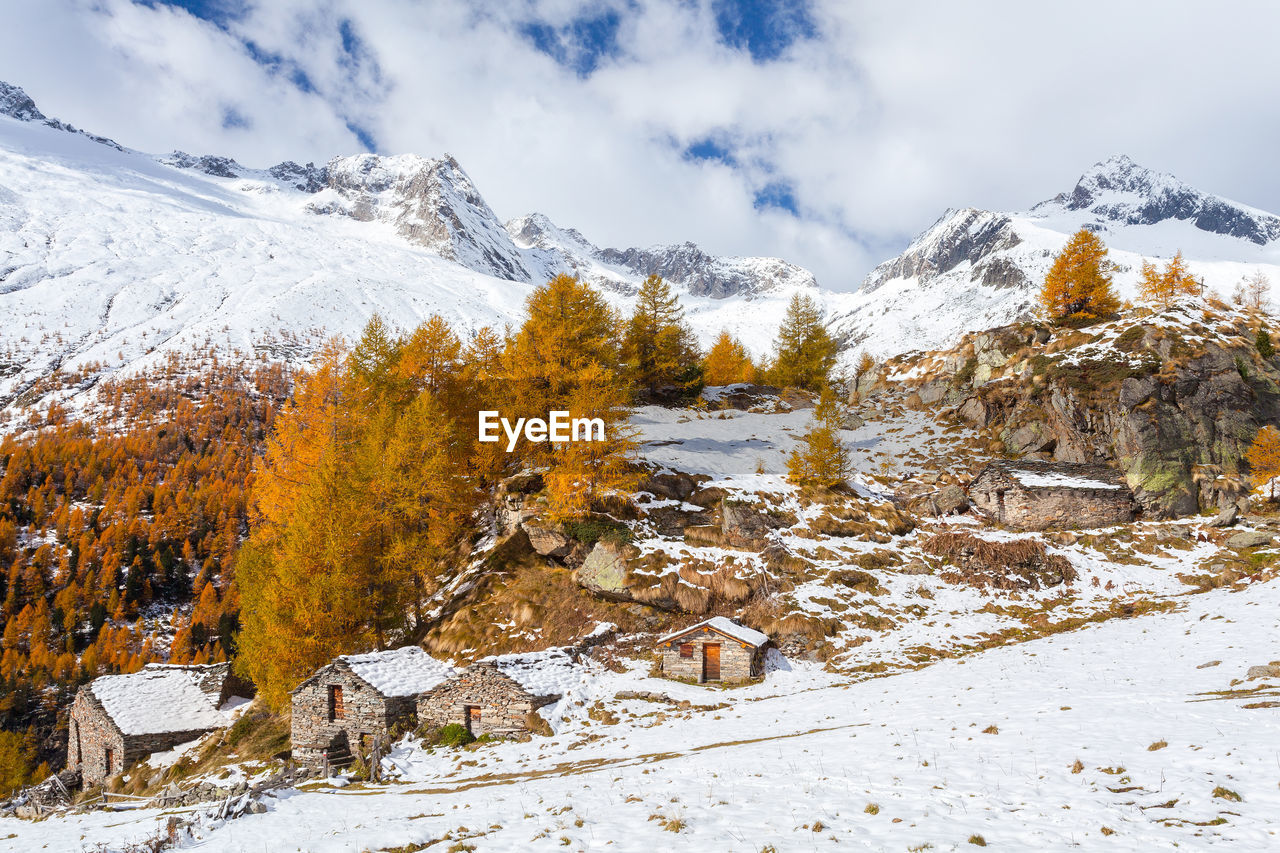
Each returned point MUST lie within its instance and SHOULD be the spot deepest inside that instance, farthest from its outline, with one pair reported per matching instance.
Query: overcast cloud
(828, 133)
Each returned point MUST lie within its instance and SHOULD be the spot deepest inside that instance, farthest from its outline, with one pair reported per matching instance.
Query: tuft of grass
(1160, 744)
(977, 840)
(1222, 793)
(1078, 767)
(1106, 830)
(992, 729)
(872, 808)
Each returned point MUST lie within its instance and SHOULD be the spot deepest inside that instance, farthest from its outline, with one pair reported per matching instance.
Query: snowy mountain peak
(975, 269)
(16, 103)
(1118, 190)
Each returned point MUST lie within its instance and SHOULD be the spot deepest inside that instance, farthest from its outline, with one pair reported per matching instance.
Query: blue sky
(827, 132)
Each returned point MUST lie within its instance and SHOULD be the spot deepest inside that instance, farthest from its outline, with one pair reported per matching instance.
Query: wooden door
(337, 710)
(110, 760)
(711, 662)
(473, 719)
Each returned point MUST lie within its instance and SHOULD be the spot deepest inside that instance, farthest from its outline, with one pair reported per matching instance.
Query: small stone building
(715, 650)
(496, 695)
(1042, 495)
(117, 720)
(345, 703)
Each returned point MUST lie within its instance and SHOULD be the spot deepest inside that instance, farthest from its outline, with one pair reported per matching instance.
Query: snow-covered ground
(985, 746)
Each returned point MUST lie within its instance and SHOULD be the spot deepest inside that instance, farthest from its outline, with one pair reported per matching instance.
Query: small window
(336, 709)
(110, 761)
(686, 650)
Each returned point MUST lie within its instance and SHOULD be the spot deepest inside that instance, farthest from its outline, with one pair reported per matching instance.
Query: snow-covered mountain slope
(974, 269)
(699, 273)
(112, 258)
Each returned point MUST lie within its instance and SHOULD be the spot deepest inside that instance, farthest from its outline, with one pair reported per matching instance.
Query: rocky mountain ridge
(1172, 398)
(975, 269)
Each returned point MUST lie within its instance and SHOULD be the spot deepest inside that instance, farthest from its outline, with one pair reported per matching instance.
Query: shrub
(454, 734)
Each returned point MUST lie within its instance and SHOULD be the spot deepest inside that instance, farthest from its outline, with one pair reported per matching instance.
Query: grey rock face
(1249, 539)
(1119, 190)
(16, 103)
(966, 235)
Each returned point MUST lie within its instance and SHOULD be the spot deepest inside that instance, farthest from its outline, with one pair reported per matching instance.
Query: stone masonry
(1045, 495)
(92, 735)
(319, 727)
(685, 657)
(482, 698)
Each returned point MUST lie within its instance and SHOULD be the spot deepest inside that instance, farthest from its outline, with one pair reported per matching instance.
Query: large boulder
(549, 540)
(1249, 539)
(604, 572)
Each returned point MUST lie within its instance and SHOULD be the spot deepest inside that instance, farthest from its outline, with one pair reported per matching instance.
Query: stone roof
(162, 698)
(721, 625)
(399, 672)
(1070, 476)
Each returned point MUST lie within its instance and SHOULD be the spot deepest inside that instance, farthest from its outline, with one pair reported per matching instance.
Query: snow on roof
(552, 672)
(159, 699)
(1034, 479)
(724, 626)
(399, 672)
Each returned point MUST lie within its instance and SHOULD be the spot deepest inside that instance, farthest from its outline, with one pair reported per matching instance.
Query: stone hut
(496, 695)
(117, 720)
(345, 703)
(1042, 495)
(717, 649)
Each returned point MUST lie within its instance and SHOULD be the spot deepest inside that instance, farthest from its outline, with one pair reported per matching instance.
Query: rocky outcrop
(1176, 417)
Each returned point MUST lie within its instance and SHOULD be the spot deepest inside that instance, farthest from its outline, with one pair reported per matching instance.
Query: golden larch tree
(1078, 286)
(822, 457)
(1264, 458)
(727, 362)
(805, 351)
(1164, 286)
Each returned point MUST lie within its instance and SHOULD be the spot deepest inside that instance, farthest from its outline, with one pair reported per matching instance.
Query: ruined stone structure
(487, 697)
(715, 650)
(344, 704)
(117, 720)
(1042, 495)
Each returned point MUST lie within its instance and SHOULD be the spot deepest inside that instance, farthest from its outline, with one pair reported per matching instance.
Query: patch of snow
(157, 699)
(724, 626)
(399, 672)
(1035, 480)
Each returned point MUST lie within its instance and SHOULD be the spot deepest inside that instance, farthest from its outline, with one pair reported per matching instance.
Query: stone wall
(90, 733)
(1042, 508)
(365, 712)
(503, 703)
(738, 662)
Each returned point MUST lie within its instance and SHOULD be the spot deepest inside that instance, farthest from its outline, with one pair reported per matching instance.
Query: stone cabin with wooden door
(348, 702)
(117, 720)
(498, 695)
(715, 650)
(1043, 495)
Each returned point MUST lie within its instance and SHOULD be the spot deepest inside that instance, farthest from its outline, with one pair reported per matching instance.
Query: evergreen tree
(822, 458)
(728, 362)
(805, 351)
(1078, 286)
(658, 346)
(1263, 343)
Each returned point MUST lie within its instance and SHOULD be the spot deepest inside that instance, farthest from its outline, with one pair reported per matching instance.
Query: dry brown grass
(1019, 564)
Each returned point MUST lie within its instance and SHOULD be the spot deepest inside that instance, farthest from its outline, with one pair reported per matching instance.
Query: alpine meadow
(645, 484)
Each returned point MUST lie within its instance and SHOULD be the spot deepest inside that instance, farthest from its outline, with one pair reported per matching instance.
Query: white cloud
(893, 113)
